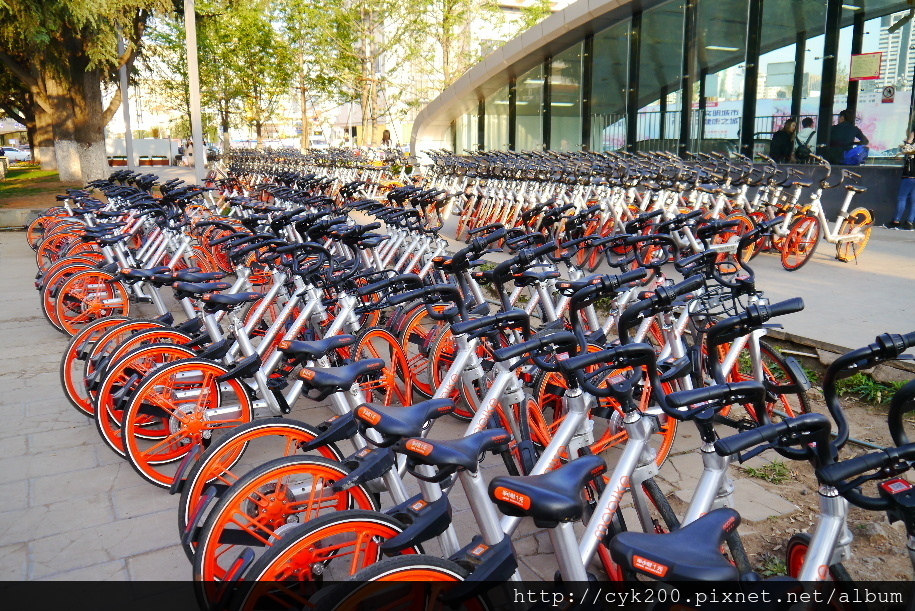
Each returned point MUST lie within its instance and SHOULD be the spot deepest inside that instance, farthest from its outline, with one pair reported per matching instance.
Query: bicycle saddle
(401, 421)
(459, 453)
(315, 349)
(190, 289)
(529, 277)
(550, 498)
(333, 378)
(216, 301)
(692, 553)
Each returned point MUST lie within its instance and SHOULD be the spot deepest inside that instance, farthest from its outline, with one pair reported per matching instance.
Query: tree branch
(112, 107)
(13, 113)
(21, 73)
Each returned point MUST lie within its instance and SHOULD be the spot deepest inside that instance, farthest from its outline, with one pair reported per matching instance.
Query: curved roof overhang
(432, 127)
(554, 34)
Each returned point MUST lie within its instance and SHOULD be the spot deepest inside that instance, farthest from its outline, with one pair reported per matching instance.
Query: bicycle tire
(858, 221)
(268, 500)
(417, 333)
(801, 242)
(393, 385)
(73, 365)
(216, 464)
(167, 393)
(88, 296)
(106, 412)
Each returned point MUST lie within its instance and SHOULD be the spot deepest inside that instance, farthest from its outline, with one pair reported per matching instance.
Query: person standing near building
(906, 198)
(386, 139)
(782, 146)
(844, 135)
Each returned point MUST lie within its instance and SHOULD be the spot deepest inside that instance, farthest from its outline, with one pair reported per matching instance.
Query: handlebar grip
(409, 281)
(742, 392)
(836, 473)
(629, 354)
(561, 338)
(490, 227)
(789, 306)
(500, 320)
(749, 439)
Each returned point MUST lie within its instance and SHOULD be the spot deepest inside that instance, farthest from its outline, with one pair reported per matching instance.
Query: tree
(63, 52)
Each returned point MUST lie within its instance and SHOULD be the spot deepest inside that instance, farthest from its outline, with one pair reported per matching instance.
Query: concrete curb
(17, 218)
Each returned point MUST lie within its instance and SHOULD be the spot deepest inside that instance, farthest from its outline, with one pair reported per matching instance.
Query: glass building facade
(710, 75)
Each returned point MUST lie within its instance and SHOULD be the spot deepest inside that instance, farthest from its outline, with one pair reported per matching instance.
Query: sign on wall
(865, 66)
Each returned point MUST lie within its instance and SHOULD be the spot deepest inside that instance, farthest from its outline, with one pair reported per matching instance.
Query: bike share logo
(420, 447)
(604, 527)
(515, 498)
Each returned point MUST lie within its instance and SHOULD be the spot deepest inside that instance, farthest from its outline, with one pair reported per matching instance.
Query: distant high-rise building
(898, 60)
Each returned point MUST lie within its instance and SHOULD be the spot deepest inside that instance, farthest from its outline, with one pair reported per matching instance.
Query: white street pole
(125, 106)
(193, 77)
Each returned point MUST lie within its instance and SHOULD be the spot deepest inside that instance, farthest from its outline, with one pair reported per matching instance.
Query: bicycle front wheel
(802, 241)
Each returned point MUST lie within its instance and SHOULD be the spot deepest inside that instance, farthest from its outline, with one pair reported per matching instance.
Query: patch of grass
(775, 473)
(22, 181)
(771, 565)
(867, 388)
(812, 375)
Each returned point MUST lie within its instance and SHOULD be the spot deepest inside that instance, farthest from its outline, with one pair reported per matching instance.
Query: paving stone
(45, 520)
(13, 446)
(101, 544)
(87, 482)
(14, 495)
(47, 463)
(168, 564)
(142, 500)
(108, 571)
(541, 567)
(755, 503)
(80, 435)
(14, 562)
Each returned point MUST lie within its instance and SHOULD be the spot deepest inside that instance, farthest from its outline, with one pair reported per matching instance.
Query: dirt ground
(41, 201)
(878, 550)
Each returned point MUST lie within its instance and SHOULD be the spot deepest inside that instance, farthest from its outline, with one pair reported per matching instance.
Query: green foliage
(533, 14)
(867, 388)
(28, 181)
(770, 565)
(776, 472)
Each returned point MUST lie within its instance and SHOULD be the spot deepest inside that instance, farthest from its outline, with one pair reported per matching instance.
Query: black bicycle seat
(215, 301)
(401, 421)
(550, 498)
(316, 349)
(338, 378)
(692, 553)
(464, 452)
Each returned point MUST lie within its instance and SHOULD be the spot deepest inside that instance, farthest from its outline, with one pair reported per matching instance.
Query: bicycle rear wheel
(859, 221)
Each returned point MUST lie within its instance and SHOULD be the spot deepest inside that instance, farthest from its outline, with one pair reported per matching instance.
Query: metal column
(828, 84)
(632, 99)
(751, 76)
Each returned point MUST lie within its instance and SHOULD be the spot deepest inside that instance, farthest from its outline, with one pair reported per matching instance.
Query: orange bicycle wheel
(393, 385)
(74, 363)
(859, 222)
(190, 405)
(52, 281)
(417, 335)
(126, 373)
(802, 241)
(88, 296)
(267, 504)
(236, 453)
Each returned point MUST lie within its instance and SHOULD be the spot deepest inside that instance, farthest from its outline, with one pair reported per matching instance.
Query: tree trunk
(90, 127)
(224, 120)
(43, 146)
(306, 126)
(66, 151)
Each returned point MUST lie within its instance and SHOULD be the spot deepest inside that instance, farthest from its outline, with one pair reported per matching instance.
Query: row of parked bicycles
(286, 295)
(519, 189)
